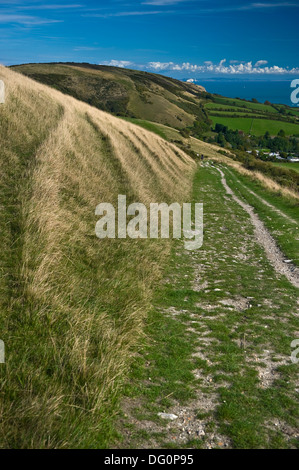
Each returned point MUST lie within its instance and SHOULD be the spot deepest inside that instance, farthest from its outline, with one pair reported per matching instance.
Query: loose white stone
(169, 416)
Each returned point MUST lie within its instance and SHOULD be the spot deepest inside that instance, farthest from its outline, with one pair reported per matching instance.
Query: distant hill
(124, 92)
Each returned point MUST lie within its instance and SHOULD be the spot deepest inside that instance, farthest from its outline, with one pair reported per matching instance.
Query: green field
(294, 111)
(257, 126)
(289, 166)
(247, 104)
(241, 106)
(242, 114)
(252, 118)
(223, 107)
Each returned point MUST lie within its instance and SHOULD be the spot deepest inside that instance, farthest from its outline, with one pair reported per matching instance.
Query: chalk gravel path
(264, 238)
(196, 420)
(282, 214)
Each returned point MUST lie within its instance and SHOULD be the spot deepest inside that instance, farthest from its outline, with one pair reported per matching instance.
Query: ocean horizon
(275, 91)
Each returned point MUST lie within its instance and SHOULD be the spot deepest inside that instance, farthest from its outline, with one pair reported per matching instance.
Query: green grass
(294, 111)
(167, 349)
(240, 107)
(242, 114)
(150, 126)
(289, 166)
(257, 126)
(224, 107)
(247, 104)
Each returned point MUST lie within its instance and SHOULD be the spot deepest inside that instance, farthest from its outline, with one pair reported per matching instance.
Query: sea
(275, 91)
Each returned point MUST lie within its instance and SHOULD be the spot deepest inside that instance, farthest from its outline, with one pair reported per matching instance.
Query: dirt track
(264, 238)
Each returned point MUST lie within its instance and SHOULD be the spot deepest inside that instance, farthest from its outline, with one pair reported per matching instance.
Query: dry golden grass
(72, 307)
(268, 183)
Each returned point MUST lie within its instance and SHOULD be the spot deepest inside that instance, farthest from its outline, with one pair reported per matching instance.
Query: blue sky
(182, 38)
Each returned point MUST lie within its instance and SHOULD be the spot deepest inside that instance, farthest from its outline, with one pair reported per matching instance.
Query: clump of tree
(185, 133)
(200, 127)
(229, 138)
(279, 143)
(238, 140)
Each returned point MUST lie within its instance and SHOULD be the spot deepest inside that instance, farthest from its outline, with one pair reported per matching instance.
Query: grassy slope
(72, 306)
(150, 126)
(121, 91)
(280, 184)
(174, 136)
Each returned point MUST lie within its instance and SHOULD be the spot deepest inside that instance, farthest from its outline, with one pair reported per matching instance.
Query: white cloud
(118, 63)
(221, 68)
(234, 67)
(273, 5)
(199, 8)
(26, 20)
(85, 48)
(161, 66)
(124, 14)
(260, 62)
(163, 2)
(48, 7)
(248, 7)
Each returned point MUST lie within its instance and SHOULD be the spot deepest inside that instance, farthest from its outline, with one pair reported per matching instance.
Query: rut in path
(273, 208)
(264, 238)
